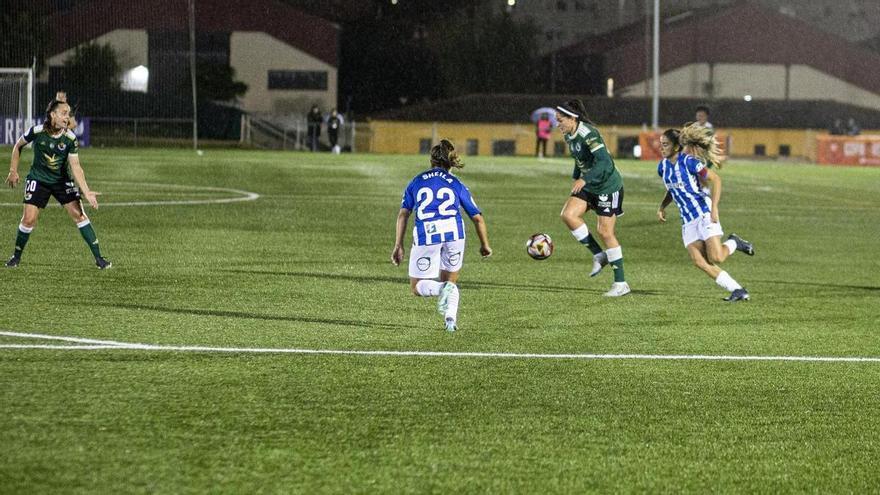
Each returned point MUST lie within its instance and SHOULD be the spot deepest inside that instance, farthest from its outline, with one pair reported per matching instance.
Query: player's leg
(572, 215)
(29, 217)
(424, 268)
(74, 209)
(698, 253)
(614, 253)
(451, 261)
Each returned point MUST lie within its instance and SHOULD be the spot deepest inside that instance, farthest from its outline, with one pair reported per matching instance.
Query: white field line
(108, 345)
(243, 195)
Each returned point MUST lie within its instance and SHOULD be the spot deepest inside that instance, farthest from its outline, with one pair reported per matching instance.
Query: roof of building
(744, 33)
(312, 35)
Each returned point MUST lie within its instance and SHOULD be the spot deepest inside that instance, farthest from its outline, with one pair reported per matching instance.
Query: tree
(24, 38)
(92, 66)
(216, 82)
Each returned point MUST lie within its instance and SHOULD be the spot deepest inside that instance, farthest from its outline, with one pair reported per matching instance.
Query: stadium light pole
(655, 100)
(192, 71)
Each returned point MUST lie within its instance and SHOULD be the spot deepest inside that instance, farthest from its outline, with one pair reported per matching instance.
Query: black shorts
(37, 193)
(605, 205)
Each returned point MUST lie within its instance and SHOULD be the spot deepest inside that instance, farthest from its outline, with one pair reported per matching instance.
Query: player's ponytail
(444, 156)
(703, 141)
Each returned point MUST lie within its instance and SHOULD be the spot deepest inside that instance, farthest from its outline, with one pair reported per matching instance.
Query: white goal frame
(29, 73)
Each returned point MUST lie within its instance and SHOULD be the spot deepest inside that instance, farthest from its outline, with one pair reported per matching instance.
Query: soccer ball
(539, 246)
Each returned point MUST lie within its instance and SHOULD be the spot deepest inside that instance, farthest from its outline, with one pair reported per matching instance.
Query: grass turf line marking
(244, 196)
(113, 345)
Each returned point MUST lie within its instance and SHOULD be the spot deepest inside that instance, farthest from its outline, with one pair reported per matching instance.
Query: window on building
(298, 79)
(784, 150)
(473, 147)
(424, 146)
(504, 147)
(760, 150)
(560, 149)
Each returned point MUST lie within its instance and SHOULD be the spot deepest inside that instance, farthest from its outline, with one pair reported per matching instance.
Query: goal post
(17, 93)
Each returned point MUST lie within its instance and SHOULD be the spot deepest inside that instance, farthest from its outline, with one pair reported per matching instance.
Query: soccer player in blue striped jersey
(683, 174)
(438, 232)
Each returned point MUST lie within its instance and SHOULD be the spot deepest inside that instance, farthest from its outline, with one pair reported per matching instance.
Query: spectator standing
(543, 129)
(314, 120)
(837, 128)
(852, 128)
(334, 123)
(702, 116)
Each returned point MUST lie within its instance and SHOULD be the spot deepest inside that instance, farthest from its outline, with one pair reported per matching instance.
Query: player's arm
(12, 179)
(661, 212)
(398, 251)
(80, 178)
(712, 180)
(483, 234)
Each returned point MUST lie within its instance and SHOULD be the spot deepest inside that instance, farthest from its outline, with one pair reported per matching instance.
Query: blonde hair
(703, 140)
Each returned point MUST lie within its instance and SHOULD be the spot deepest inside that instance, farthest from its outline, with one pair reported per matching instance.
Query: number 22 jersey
(436, 197)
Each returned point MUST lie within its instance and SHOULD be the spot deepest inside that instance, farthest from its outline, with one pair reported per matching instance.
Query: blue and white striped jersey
(681, 180)
(436, 196)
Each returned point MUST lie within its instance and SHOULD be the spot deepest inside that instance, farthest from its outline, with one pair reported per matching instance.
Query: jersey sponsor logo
(423, 264)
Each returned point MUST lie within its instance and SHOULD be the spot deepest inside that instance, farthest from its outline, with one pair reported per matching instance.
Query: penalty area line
(80, 344)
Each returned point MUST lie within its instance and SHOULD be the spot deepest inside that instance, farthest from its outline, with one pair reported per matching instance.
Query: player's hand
(486, 251)
(713, 216)
(661, 215)
(92, 198)
(578, 185)
(397, 255)
(13, 178)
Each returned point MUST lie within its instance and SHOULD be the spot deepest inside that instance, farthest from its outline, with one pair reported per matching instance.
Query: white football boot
(618, 289)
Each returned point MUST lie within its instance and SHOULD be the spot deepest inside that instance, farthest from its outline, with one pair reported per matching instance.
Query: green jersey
(592, 162)
(50, 155)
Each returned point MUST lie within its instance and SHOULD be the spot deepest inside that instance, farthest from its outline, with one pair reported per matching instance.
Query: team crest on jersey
(454, 258)
(62, 146)
(603, 197)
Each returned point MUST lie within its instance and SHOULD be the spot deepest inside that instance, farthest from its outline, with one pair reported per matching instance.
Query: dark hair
(51, 108)
(703, 108)
(673, 136)
(576, 106)
(444, 156)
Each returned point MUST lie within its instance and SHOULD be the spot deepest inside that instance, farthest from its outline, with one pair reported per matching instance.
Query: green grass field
(306, 266)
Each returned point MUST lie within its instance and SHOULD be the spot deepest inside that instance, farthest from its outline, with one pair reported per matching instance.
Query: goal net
(17, 95)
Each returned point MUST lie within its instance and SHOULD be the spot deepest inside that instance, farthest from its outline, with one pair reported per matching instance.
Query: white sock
(25, 230)
(731, 246)
(452, 309)
(428, 288)
(581, 232)
(83, 223)
(727, 282)
(614, 254)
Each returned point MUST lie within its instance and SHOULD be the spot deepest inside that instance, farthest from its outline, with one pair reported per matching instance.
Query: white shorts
(427, 261)
(700, 229)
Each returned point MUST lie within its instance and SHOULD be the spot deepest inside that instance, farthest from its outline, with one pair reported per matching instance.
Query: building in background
(564, 22)
(287, 59)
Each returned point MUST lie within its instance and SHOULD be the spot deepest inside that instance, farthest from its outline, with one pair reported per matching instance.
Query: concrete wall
(254, 54)
(759, 81)
(404, 137)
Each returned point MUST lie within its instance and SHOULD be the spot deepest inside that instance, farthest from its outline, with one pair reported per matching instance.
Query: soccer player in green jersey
(598, 187)
(56, 171)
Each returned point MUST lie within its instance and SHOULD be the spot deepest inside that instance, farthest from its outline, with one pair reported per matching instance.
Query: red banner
(848, 150)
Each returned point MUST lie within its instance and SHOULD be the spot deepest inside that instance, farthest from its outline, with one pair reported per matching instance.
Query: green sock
(591, 244)
(20, 241)
(618, 270)
(91, 238)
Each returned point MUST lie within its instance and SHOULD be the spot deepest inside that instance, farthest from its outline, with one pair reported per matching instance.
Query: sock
(452, 309)
(731, 246)
(615, 259)
(727, 282)
(24, 233)
(428, 288)
(582, 234)
(88, 233)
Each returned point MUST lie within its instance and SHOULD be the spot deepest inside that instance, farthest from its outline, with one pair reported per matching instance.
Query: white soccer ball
(539, 246)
